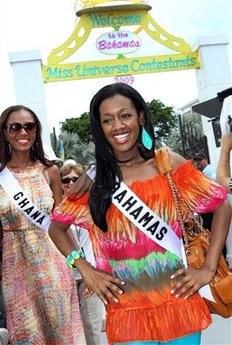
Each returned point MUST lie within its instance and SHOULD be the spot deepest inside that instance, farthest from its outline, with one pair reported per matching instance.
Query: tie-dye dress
(39, 290)
(147, 310)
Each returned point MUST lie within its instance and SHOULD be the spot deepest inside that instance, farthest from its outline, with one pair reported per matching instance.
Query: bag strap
(177, 197)
(22, 202)
(164, 165)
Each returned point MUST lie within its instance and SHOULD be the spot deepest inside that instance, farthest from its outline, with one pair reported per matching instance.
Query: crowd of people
(76, 242)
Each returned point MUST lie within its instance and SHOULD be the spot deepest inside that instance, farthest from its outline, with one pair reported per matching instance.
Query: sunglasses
(67, 180)
(17, 127)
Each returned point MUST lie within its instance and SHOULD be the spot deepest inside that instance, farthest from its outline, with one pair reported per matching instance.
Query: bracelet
(74, 255)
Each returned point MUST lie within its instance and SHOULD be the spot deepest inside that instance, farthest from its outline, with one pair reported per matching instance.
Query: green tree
(79, 125)
(164, 119)
(74, 147)
(174, 141)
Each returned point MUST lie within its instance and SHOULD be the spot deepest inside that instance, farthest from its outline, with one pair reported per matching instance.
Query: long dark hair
(106, 165)
(36, 152)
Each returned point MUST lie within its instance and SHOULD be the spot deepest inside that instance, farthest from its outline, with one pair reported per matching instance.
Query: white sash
(23, 203)
(146, 220)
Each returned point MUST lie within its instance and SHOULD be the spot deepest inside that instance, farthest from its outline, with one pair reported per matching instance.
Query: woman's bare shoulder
(53, 172)
(53, 168)
(176, 159)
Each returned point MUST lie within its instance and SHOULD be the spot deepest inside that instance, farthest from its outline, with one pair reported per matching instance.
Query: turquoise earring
(146, 139)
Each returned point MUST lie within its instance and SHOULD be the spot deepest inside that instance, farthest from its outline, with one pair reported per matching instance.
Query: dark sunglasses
(16, 127)
(67, 180)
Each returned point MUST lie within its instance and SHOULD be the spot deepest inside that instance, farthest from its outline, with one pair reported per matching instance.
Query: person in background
(202, 164)
(224, 178)
(151, 297)
(91, 308)
(39, 291)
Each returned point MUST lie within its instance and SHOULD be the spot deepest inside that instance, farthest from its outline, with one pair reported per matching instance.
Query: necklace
(126, 161)
(129, 159)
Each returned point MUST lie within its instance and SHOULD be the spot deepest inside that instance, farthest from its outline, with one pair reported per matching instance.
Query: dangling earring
(146, 139)
(9, 149)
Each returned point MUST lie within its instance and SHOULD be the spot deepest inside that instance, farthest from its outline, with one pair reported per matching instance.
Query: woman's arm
(83, 184)
(219, 232)
(55, 183)
(106, 286)
(223, 175)
(191, 280)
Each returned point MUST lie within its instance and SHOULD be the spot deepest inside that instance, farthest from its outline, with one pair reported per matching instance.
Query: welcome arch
(122, 45)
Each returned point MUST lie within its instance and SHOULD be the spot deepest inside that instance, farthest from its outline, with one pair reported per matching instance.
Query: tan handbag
(196, 240)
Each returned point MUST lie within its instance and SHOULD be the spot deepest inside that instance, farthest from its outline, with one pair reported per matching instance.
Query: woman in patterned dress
(38, 288)
(150, 296)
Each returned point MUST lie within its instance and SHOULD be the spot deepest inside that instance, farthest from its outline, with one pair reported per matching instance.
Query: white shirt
(210, 172)
(82, 237)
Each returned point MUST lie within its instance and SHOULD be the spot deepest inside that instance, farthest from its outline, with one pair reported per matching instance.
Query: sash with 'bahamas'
(23, 203)
(146, 220)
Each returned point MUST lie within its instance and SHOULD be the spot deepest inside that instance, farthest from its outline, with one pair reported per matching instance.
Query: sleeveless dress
(39, 290)
(147, 311)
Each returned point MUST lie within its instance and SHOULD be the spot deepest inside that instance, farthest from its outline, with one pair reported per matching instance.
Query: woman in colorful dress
(39, 290)
(151, 297)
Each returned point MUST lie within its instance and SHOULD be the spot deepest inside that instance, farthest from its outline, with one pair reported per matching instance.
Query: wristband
(74, 255)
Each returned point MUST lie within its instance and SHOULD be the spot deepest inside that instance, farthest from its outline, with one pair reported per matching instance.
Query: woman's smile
(121, 138)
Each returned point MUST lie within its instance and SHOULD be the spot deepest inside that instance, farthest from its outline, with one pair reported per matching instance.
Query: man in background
(201, 162)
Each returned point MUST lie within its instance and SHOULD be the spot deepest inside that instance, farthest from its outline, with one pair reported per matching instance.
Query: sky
(43, 25)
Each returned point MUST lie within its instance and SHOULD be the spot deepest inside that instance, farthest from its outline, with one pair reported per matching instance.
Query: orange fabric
(154, 323)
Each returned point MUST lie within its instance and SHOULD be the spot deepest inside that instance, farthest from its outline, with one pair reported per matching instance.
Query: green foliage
(174, 141)
(164, 120)
(74, 147)
(79, 125)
